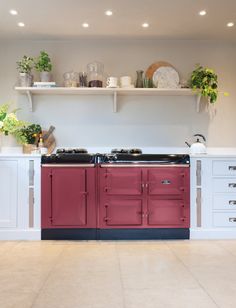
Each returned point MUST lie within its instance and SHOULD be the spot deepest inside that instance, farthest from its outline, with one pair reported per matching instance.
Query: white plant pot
(8, 144)
(45, 76)
(25, 79)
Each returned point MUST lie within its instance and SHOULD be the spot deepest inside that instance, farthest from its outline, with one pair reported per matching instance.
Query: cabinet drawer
(224, 185)
(225, 202)
(224, 219)
(224, 167)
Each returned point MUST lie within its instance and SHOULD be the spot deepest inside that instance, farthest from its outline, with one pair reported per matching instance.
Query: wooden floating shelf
(114, 92)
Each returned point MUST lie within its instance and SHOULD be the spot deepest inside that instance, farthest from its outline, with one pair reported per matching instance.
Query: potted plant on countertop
(24, 67)
(29, 137)
(44, 66)
(9, 129)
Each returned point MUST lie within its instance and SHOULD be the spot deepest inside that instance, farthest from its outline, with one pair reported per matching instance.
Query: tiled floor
(154, 274)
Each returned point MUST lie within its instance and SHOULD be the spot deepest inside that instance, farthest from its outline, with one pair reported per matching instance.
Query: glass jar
(95, 74)
(71, 79)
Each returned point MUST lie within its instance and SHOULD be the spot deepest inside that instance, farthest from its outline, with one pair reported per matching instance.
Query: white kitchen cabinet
(8, 193)
(19, 197)
(213, 197)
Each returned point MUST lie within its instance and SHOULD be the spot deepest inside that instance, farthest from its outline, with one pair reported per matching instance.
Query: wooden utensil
(49, 140)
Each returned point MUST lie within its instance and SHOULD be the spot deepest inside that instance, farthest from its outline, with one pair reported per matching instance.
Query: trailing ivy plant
(43, 62)
(205, 81)
(25, 65)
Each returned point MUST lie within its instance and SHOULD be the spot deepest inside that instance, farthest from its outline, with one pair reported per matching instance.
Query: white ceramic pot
(45, 76)
(25, 79)
(8, 144)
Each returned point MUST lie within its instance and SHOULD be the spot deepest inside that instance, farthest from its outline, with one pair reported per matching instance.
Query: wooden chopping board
(50, 142)
(153, 67)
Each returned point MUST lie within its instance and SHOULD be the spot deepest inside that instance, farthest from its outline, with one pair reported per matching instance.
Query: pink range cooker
(121, 195)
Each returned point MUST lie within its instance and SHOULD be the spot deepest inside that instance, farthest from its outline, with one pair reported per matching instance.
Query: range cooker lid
(70, 151)
(68, 158)
(147, 158)
(126, 151)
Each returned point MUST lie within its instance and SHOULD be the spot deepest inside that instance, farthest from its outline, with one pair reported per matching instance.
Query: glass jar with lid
(95, 72)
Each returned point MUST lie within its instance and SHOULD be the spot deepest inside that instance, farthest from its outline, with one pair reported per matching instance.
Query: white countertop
(19, 155)
(211, 152)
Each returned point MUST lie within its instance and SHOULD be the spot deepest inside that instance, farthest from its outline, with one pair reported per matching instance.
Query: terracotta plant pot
(29, 148)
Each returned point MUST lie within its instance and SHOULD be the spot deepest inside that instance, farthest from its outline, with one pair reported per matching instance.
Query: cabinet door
(8, 193)
(123, 212)
(122, 181)
(69, 197)
(166, 181)
(167, 213)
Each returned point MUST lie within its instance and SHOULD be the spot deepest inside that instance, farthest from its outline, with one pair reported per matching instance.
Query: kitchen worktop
(217, 152)
(19, 155)
(211, 152)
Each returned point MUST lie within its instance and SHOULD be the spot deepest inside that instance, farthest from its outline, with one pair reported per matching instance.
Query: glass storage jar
(95, 72)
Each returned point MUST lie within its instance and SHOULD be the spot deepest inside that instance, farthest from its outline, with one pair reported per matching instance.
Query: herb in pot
(31, 133)
(25, 65)
(43, 62)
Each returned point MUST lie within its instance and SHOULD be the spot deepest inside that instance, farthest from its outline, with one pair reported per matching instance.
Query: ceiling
(168, 19)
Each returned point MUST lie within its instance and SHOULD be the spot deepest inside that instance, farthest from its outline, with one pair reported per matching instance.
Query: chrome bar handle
(232, 219)
(232, 185)
(232, 202)
(232, 168)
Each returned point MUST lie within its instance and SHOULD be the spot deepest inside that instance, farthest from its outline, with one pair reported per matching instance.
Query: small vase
(8, 144)
(25, 79)
(139, 80)
(45, 76)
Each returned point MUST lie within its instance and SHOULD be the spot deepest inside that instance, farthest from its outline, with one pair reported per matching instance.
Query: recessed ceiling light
(145, 25)
(202, 13)
(13, 12)
(21, 24)
(230, 24)
(85, 25)
(109, 13)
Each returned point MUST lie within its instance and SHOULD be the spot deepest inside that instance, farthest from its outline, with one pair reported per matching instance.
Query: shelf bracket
(115, 102)
(198, 102)
(30, 99)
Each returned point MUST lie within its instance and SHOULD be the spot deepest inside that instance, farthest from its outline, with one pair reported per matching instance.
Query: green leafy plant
(43, 62)
(9, 123)
(30, 134)
(205, 81)
(25, 65)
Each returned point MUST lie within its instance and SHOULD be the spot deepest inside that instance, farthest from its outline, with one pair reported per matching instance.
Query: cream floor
(150, 274)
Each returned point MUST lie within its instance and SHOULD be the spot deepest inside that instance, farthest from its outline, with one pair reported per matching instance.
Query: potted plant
(205, 82)
(29, 135)
(24, 67)
(44, 66)
(10, 128)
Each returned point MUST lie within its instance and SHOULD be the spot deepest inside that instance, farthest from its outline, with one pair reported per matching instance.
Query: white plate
(166, 77)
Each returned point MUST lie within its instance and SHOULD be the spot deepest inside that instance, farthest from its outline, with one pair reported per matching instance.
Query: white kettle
(197, 147)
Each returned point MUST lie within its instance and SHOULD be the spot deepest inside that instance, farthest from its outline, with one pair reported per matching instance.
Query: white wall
(141, 121)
